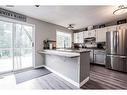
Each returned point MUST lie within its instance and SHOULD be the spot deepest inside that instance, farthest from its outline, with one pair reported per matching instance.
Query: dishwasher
(99, 57)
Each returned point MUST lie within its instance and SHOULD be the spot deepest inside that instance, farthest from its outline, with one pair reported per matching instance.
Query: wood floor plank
(71, 86)
(51, 81)
(102, 78)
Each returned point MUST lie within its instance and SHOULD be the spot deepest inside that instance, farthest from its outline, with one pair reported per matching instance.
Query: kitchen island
(72, 65)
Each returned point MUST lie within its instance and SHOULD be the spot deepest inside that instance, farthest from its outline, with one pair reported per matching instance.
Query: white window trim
(4, 19)
(65, 33)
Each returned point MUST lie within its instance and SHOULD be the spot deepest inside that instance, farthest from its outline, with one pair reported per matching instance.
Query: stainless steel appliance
(99, 57)
(90, 42)
(116, 50)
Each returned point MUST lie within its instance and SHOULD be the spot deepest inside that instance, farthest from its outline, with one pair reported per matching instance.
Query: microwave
(89, 40)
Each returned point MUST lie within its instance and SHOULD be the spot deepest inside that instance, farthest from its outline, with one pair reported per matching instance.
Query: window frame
(64, 32)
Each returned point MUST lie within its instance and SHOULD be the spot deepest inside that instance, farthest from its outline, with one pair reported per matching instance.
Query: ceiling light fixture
(121, 10)
(37, 5)
(70, 26)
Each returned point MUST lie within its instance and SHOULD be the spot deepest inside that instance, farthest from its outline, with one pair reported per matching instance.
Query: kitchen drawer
(99, 52)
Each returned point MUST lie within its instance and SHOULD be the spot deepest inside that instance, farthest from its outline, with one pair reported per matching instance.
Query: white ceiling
(81, 16)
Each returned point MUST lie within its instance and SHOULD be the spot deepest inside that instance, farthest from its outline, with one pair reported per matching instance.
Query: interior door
(22, 47)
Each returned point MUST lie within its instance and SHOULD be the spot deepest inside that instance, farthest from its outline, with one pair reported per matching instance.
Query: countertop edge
(64, 54)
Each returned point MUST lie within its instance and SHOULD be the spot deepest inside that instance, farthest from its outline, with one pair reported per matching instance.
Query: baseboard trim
(64, 77)
(39, 66)
(84, 81)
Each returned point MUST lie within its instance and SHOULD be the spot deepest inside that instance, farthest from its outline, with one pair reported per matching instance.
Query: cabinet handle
(117, 56)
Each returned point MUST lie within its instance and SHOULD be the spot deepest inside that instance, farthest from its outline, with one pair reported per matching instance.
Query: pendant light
(121, 10)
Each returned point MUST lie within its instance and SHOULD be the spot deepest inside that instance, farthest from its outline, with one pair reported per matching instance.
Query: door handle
(32, 44)
(117, 56)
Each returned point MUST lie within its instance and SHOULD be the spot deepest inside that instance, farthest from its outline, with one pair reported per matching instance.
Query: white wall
(43, 30)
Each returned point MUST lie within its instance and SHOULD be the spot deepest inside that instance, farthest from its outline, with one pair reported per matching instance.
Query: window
(63, 39)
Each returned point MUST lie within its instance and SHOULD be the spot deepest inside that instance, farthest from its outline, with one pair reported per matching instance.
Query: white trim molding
(84, 81)
(68, 79)
(39, 66)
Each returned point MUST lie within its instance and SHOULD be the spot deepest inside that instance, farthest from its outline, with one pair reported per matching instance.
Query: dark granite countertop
(95, 48)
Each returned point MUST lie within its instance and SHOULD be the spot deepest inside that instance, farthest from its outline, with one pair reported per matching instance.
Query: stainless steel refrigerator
(116, 50)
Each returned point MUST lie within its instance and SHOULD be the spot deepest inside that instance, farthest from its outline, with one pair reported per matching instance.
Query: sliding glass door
(22, 47)
(6, 50)
(15, 46)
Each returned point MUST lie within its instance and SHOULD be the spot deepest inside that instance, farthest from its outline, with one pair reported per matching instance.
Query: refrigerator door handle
(117, 56)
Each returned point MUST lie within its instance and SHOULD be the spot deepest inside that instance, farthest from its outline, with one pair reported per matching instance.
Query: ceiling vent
(12, 15)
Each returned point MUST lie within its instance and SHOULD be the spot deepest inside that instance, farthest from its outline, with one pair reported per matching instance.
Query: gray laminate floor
(46, 82)
(100, 78)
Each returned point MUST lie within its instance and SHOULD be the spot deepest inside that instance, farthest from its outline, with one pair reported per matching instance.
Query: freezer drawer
(116, 62)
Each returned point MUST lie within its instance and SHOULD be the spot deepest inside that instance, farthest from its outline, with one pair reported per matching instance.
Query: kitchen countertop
(64, 52)
(95, 48)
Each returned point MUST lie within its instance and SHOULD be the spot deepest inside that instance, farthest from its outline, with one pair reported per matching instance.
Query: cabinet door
(92, 33)
(75, 38)
(85, 34)
(80, 37)
(122, 26)
(111, 28)
(101, 35)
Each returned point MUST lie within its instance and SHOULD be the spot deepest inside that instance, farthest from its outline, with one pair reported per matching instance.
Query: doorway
(15, 46)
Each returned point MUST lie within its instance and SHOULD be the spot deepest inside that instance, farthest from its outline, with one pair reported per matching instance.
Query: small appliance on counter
(90, 42)
(49, 44)
(101, 45)
(78, 45)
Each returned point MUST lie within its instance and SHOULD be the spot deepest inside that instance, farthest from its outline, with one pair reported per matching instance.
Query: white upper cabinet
(122, 26)
(85, 34)
(78, 37)
(75, 38)
(101, 35)
(91, 33)
(81, 37)
(111, 28)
